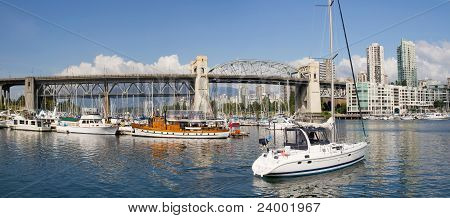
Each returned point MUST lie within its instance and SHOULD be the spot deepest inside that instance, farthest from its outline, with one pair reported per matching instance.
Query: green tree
(403, 83)
(341, 108)
(438, 104)
(256, 109)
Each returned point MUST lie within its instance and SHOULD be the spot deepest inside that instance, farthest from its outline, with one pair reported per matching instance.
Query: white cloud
(301, 62)
(433, 60)
(390, 69)
(103, 64)
(343, 67)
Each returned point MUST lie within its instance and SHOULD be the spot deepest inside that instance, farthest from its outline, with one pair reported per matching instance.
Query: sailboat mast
(330, 67)
(351, 67)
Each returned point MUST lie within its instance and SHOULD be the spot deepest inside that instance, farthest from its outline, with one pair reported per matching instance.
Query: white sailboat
(309, 148)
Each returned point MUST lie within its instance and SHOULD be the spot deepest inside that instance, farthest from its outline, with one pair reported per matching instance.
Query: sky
(75, 37)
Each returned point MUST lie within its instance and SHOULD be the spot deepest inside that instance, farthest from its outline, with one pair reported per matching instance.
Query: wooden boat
(179, 126)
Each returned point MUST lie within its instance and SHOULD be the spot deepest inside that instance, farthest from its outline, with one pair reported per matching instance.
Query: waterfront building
(406, 63)
(260, 92)
(375, 62)
(427, 82)
(382, 99)
(362, 77)
(243, 93)
(325, 71)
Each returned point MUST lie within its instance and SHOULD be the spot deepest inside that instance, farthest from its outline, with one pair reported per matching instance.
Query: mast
(330, 61)
(353, 72)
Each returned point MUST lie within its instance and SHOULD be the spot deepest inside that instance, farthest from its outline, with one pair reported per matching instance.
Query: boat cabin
(183, 121)
(34, 123)
(300, 138)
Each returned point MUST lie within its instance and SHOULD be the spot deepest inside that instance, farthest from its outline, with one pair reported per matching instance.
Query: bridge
(194, 86)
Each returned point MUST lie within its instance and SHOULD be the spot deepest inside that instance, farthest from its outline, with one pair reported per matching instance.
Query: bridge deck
(213, 78)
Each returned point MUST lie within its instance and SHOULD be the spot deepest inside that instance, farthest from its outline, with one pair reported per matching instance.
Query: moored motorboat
(263, 122)
(407, 117)
(4, 118)
(126, 129)
(29, 124)
(90, 123)
(436, 116)
(280, 123)
(235, 128)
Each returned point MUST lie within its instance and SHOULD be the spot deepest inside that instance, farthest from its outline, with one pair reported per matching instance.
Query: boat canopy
(298, 137)
(327, 125)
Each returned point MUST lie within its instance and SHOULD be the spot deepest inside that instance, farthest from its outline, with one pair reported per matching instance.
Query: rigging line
(392, 26)
(351, 66)
(31, 14)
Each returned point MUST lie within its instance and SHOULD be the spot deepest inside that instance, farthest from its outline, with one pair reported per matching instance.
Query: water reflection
(321, 185)
(405, 159)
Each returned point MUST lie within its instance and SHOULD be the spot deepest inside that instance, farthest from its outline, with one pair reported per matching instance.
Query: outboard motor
(264, 142)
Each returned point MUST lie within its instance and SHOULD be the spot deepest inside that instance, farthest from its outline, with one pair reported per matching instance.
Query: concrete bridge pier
(30, 94)
(5, 95)
(106, 101)
(307, 98)
(300, 98)
(201, 98)
(1, 97)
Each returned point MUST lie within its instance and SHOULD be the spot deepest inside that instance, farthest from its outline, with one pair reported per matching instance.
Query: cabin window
(22, 122)
(296, 140)
(318, 137)
(15, 122)
(39, 124)
(33, 123)
(83, 122)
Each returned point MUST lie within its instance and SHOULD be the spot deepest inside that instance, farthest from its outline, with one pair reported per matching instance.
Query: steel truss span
(121, 94)
(257, 68)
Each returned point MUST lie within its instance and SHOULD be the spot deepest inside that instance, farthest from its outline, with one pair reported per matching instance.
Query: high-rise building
(243, 94)
(362, 77)
(260, 92)
(375, 62)
(325, 71)
(406, 63)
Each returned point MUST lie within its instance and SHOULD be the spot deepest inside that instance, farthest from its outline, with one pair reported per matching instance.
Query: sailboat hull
(299, 165)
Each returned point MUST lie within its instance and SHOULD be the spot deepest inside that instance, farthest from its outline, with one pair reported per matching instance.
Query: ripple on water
(406, 159)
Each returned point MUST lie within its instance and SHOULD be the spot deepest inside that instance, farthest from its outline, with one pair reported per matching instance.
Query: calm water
(406, 159)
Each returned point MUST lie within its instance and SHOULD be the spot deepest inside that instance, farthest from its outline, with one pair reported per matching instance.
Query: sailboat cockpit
(301, 138)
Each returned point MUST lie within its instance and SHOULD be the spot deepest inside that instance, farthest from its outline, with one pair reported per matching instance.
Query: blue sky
(285, 30)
